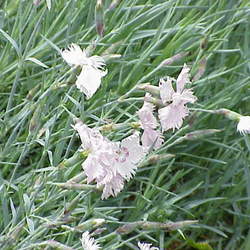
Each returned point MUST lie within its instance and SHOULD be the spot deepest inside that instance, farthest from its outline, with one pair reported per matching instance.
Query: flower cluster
(173, 108)
(109, 163)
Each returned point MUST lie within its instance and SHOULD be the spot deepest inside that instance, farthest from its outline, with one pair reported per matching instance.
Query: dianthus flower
(146, 246)
(89, 79)
(244, 125)
(150, 136)
(128, 154)
(89, 243)
(109, 163)
(176, 110)
(120, 165)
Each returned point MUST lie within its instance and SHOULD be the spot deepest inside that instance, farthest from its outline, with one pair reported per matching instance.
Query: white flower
(244, 125)
(89, 243)
(74, 56)
(146, 246)
(89, 79)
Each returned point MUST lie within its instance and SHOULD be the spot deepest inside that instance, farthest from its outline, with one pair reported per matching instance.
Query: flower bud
(157, 102)
(148, 225)
(200, 133)
(36, 2)
(114, 4)
(153, 90)
(228, 114)
(74, 186)
(173, 59)
(201, 69)
(99, 17)
(90, 224)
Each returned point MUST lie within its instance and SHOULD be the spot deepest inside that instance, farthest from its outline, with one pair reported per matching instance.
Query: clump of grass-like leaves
(199, 178)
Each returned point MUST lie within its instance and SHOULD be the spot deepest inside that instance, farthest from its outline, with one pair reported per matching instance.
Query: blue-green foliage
(207, 179)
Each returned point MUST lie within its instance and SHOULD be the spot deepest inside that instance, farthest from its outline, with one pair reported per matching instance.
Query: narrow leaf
(36, 61)
(12, 41)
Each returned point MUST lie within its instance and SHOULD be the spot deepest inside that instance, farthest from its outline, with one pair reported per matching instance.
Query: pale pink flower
(128, 153)
(98, 167)
(176, 110)
(244, 125)
(108, 163)
(97, 148)
(100, 152)
(89, 79)
(150, 136)
(120, 165)
(166, 90)
(91, 138)
(146, 115)
(111, 187)
(146, 246)
(89, 243)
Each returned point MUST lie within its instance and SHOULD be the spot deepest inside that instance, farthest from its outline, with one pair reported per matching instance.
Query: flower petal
(126, 169)
(74, 55)
(123, 160)
(183, 78)
(89, 243)
(92, 168)
(151, 137)
(244, 125)
(146, 116)
(90, 138)
(136, 151)
(113, 187)
(172, 116)
(166, 90)
(146, 246)
(89, 80)
(97, 62)
(187, 96)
